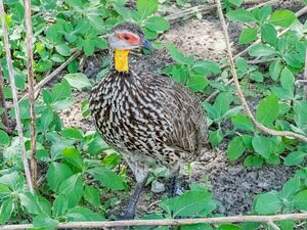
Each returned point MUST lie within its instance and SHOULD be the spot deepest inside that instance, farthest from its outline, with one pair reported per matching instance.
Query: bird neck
(121, 60)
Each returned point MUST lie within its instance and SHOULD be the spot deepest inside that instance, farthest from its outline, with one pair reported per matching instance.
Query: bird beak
(147, 44)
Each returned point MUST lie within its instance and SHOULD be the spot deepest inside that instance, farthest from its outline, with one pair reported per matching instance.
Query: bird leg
(133, 201)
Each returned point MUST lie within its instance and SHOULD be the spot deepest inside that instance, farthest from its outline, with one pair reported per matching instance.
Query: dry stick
(15, 98)
(29, 45)
(239, 90)
(5, 118)
(273, 225)
(49, 77)
(169, 222)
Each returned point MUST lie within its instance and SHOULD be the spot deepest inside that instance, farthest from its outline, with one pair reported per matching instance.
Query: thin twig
(240, 92)
(169, 222)
(273, 225)
(15, 98)
(5, 118)
(55, 73)
(31, 80)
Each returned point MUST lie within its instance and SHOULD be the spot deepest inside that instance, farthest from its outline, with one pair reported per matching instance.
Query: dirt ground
(232, 185)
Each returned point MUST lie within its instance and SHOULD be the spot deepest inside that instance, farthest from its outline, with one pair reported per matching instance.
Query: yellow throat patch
(121, 60)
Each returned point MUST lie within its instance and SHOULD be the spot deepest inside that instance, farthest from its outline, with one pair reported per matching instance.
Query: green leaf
(83, 214)
(291, 187)
(72, 133)
(269, 34)
(78, 80)
(72, 188)
(63, 49)
(157, 23)
(215, 137)
(4, 138)
(92, 195)
(44, 222)
(35, 204)
(108, 178)
(300, 200)
(300, 118)
(248, 35)
(267, 203)
(190, 204)
(60, 205)
(61, 91)
(6, 210)
(178, 56)
(146, 8)
(73, 157)
(88, 47)
(253, 161)
(235, 149)
(242, 122)
(222, 103)
(197, 83)
(261, 50)
(56, 174)
(287, 79)
(206, 67)
(268, 110)
(295, 158)
(228, 227)
(275, 69)
(263, 146)
(241, 15)
(283, 18)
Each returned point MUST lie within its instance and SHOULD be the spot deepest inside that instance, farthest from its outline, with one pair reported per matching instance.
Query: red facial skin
(131, 38)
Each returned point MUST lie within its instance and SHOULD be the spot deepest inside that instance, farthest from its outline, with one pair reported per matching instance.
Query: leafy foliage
(82, 177)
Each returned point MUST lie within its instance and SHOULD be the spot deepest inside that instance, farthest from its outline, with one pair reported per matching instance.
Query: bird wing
(182, 109)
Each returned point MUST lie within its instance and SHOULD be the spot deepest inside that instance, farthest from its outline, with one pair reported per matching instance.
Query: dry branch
(49, 77)
(15, 98)
(5, 119)
(240, 92)
(31, 80)
(169, 222)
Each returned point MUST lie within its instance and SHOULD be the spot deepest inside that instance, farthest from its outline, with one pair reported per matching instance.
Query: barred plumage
(149, 119)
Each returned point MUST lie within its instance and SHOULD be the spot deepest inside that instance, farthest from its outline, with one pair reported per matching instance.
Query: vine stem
(15, 98)
(239, 90)
(31, 81)
(168, 222)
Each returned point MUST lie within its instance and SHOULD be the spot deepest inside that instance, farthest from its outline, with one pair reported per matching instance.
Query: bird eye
(126, 37)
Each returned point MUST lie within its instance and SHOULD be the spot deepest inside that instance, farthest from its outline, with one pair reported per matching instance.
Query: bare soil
(232, 185)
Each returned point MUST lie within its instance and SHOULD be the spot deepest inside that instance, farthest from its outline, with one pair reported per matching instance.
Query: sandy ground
(232, 185)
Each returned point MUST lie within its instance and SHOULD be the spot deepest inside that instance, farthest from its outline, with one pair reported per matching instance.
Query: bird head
(127, 36)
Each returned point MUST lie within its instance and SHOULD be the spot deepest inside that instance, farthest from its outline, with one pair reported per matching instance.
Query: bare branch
(31, 80)
(5, 118)
(240, 92)
(55, 73)
(15, 98)
(169, 222)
